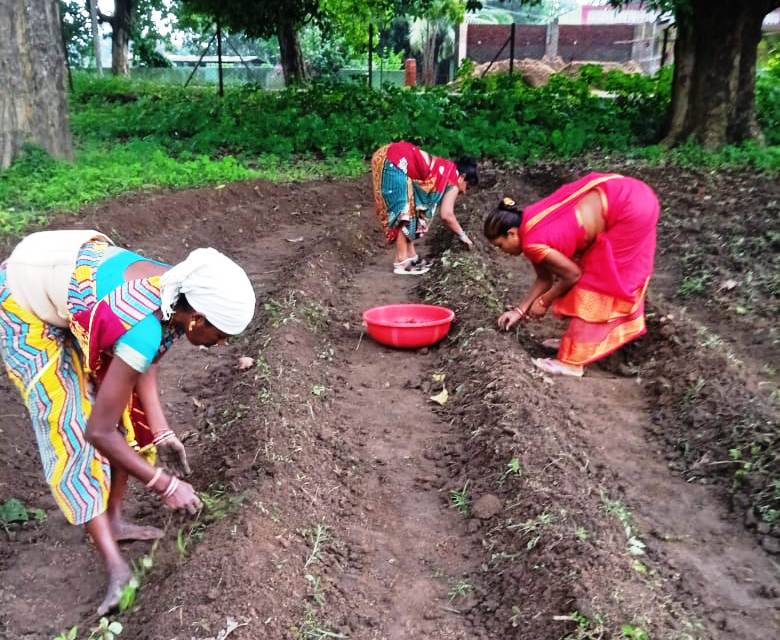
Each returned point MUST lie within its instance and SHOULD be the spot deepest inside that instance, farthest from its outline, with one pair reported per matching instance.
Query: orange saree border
(377, 165)
(532, 222)
(592, 306)
(577, 352)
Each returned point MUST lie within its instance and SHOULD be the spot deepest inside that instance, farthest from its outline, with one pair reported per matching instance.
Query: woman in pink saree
(592, 245)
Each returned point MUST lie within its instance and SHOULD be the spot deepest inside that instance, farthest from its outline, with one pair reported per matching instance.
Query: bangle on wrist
(161, 437)
(155, 478)
(171, 488)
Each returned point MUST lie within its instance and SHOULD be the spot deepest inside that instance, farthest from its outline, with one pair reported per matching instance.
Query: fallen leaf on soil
(219, 186)
(245, 362)
(298, 239)
(439, 377)
(441, 397)
(197, 403)
(729, 284)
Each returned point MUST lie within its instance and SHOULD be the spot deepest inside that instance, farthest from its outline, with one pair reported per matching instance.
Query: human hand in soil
(538, 309)
(510, 318)
(173, 456)
(184, 497)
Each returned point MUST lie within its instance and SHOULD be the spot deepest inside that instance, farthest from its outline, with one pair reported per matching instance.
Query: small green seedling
(13, 511)
(630, 632)
(128, 595)
(106, 630)
(72, 634)
(513, 468)
(460, 499)
(461, 589)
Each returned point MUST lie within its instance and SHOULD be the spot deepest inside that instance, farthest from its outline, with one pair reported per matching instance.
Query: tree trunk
(121, 23)
(33, 102)
(429, 54)
(714, 75)
(290, 51)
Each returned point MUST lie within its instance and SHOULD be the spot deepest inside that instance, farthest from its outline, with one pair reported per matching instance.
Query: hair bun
(507, 204)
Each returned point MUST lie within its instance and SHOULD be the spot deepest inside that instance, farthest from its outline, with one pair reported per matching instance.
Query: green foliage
(768, 99)
(498, 116)
(71, 634)
(138, 134)
(76, 31)
(106, 630)
(460, 499)
(13, 511)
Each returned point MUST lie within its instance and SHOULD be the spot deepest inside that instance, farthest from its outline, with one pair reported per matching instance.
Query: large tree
(33, 102)
(713, 91)
(121, 23)
(135, 21)
(714, 87)
(263, 19)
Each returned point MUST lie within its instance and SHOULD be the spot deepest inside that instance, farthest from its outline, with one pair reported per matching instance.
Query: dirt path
(685, 525)
(413, 549)
(329, 472)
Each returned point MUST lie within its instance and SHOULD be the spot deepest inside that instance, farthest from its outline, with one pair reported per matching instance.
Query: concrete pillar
(551, 44)
(462, 42)
(410, 72)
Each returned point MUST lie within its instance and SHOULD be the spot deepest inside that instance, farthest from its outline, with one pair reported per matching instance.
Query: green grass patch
(134, 134)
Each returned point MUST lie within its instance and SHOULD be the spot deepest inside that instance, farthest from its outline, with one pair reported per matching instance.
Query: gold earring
(191, 325)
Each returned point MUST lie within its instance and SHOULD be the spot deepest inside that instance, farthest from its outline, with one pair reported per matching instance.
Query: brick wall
(604, 42)
(484, 40)
(609, 42)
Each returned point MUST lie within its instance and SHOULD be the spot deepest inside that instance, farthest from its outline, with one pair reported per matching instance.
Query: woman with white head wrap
(82, 326)
(214, 286)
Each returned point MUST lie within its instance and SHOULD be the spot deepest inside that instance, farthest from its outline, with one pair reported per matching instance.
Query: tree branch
(102, 17)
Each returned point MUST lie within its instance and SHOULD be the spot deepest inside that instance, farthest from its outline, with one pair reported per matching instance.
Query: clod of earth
(486, 507)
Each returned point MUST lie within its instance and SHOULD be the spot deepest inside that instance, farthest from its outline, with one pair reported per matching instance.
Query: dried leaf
(298, 239)
(441, 397)
(245, 362)
(439, 377)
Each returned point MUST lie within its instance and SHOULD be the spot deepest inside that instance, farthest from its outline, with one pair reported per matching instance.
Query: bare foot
(118, 579)
(558, 368)
(124, 531)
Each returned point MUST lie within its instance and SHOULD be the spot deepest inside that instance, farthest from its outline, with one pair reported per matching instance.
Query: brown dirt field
(329, 475)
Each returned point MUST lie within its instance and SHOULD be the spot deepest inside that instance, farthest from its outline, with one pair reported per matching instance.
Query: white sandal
(409, 267)
(557, 368)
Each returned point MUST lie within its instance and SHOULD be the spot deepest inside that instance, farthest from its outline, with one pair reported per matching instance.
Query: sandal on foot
(407, 268)
(557, 368)
(418, 261)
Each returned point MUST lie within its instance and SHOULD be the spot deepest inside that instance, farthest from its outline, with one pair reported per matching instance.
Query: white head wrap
(214, 286)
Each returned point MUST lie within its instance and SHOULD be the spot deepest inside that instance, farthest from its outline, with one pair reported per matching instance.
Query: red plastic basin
(408, 326)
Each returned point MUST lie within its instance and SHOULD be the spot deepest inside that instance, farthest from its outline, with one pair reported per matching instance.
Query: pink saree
(606, 306)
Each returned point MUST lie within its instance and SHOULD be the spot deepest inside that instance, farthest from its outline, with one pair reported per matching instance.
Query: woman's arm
(172, 453)
(102, 432)
(542, 284)
(148, 391)
(566, 273)
(447, 212)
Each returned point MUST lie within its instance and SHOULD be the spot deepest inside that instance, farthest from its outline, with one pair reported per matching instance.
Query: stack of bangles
(163, 436)
(173, 484)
